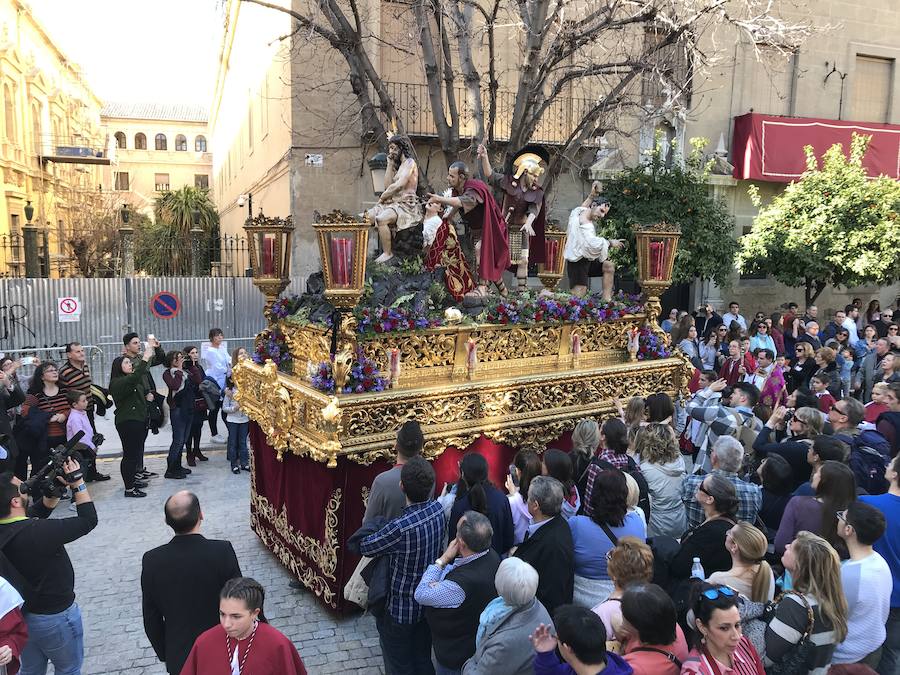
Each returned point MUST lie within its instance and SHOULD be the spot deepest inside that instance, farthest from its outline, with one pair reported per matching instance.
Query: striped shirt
(55, 405)
(73, 378)
(788, 625)
(413, 541)
(744, 661)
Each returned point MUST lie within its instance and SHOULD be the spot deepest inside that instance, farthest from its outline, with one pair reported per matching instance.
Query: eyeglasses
(702, 489)
(838, 410)
(713, 593)
(842, 515)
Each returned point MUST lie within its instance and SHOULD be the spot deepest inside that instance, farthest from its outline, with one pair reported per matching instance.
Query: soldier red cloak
(494, 239)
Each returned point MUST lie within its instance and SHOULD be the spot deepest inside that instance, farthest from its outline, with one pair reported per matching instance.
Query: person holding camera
(40, 569)
(128, 386)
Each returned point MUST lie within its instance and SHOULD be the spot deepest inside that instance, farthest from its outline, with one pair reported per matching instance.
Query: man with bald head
(181, 582)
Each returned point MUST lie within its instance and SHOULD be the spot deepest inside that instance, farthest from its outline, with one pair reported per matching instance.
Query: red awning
(768, 147)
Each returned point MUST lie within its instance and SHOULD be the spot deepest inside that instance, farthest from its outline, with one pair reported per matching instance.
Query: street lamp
(30, 232)
(126, 233)
(656, 248)
(270, 241)
(378, 168)
(248, 200)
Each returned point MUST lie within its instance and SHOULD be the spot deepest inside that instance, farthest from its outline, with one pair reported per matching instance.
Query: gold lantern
(270, 241)
(551, 271)
(343, 247)
(656, 248)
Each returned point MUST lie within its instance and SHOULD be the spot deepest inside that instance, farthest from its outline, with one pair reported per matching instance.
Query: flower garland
(561, 307)
(393, 319)
(364, 376)
(651, 346)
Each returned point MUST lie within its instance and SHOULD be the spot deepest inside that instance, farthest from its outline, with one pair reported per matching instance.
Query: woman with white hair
(502, 645)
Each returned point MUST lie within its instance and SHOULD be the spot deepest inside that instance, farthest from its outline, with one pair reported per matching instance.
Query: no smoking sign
(68, 309)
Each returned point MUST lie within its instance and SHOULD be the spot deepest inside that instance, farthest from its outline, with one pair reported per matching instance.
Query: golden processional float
(518, 383)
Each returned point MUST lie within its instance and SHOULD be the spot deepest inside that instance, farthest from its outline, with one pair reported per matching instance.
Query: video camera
(43, 483)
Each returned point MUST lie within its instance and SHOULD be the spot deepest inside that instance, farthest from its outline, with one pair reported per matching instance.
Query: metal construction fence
(40, 316)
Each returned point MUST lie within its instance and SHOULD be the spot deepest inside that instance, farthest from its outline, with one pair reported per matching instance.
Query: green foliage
(654, 192)
(164, 248)
(833, 226)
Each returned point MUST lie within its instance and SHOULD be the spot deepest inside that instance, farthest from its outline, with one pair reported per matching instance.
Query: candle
(471, 355)
(656, 260)
(394, 368)
(268, 256)
(576, 345)
(551, 248)
(342, 260)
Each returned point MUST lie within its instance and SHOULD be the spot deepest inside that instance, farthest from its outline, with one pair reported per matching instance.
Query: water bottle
(697, 570)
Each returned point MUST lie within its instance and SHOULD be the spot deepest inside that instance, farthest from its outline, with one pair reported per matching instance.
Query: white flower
(452, 315)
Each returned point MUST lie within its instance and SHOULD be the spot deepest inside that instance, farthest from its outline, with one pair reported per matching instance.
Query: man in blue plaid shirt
(413, 541)
(727, 456)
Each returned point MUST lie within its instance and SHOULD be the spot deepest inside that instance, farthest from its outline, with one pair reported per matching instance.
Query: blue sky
(161, 51)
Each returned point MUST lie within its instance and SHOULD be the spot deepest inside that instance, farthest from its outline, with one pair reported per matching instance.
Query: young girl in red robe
(241, 644)
(13, 630)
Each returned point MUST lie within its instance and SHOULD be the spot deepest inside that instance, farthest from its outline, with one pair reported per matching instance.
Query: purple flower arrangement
(372, 320)
(363, 377)
(561, 308)
(651, 347)
(271, 344)
(284, 307)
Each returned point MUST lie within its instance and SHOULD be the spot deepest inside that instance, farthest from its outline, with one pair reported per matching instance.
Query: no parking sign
(165, 305)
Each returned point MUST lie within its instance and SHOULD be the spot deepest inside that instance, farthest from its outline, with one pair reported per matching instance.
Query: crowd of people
(751, 527)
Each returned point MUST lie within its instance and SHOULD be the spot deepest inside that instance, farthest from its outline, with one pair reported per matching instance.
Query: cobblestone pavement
(108, 570)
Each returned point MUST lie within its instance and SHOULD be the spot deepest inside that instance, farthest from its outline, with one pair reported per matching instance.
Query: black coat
(180, 584)
(551, 552)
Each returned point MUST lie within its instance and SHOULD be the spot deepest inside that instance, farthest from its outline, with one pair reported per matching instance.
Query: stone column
(32, 251)
(126, 234)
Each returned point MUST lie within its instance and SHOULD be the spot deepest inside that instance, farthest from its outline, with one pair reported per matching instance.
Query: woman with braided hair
(241, 643)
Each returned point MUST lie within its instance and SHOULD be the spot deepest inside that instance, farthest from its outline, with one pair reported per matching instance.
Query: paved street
(108, 567)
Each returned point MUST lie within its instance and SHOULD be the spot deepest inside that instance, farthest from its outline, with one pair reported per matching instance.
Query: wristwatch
(440, 563)
(80, 488)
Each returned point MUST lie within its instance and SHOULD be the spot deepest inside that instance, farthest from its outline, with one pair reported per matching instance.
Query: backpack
(869, 456)
(746, 434)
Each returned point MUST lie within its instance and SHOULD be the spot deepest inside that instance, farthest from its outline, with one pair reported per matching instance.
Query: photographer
(40, 569)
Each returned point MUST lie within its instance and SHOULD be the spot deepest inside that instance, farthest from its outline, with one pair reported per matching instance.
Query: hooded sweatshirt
(548, 663)
(667, 515)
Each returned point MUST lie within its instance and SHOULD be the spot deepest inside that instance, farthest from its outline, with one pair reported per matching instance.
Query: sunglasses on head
(713, 593)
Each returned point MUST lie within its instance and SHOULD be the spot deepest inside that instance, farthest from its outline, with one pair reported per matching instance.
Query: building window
(36, 125)
(120, 141)
(200, 144)
(180, 143)
(161, 143)
(14, 224)
(9, 103)
(161, 181)
(201, 180)
(121, 180)
(140, 142)
(872, 89)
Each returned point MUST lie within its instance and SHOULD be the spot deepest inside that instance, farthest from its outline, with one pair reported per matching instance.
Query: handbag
(796, 659)
(357, 590)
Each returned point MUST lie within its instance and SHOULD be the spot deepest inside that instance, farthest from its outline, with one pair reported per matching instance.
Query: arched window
(180, 143)
(9, 106)
(161, 142)
(140, 142)
(200, 144)
(120, 140)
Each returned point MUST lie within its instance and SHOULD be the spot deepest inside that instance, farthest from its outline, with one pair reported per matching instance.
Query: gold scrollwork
(503, 343)
(291, 546)
(597, 337)
(425, 350)
(265, 399)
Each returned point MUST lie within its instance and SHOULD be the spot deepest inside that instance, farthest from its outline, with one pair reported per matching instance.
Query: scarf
(496, 612)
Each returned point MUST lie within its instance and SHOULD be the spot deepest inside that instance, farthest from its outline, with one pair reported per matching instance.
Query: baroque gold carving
(417, 350)
(503, 344)
(276, 533)
(266, 401)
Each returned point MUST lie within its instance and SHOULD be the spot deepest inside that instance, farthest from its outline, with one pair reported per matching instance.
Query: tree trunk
(810, 295)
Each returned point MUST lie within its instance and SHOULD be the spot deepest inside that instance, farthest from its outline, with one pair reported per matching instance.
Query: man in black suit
(181, 582)
(548, 546)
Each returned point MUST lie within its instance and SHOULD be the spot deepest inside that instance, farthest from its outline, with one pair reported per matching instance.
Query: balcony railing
(414, 107)
(71, 150)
